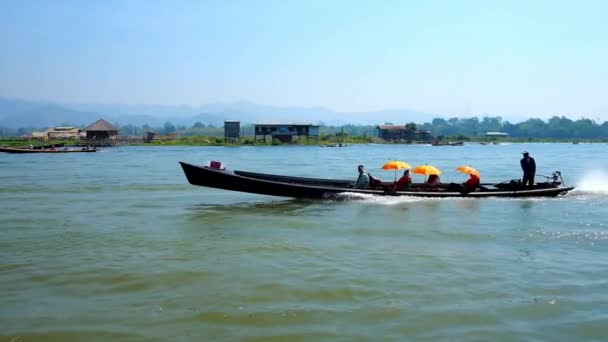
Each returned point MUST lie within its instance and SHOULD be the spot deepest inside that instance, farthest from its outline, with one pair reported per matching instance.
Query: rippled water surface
(116, 245)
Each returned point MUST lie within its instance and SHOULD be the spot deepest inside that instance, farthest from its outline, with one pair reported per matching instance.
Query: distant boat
(40, 147)
(33, 150)
(459, 143)
(335, 145)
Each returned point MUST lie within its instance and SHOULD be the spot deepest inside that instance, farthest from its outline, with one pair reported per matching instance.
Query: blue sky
(509, 58)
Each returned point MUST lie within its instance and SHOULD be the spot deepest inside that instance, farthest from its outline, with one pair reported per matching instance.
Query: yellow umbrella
(468, 170)
(395, 165)
(426, 170)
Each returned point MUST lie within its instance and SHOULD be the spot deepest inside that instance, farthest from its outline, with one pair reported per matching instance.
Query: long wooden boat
(300, 187)
(28, 150)
(41, 147)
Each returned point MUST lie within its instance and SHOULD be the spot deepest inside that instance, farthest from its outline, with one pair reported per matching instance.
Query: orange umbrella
(396, 165)
(468, 170)
(426, 170)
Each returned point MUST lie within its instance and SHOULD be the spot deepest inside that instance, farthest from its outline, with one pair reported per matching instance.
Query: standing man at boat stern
(528, 166)
(363, 180)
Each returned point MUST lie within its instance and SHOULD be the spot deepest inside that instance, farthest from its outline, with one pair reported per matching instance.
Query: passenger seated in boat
(405, 181)
(433, 181)
(363, 181)
(471, 184)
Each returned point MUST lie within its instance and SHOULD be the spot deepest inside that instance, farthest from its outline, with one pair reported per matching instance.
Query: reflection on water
(527, 204)
(288, 207)
(469, 205)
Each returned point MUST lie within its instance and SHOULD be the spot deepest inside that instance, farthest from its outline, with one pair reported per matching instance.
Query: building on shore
(39, 135)
(285, 132)
(64, 133)
(101, 130)
(402, 133)
(496, 135)
(149, 137)
(232, 130)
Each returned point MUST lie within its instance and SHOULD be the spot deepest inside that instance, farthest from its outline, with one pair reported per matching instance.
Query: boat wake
(345, 196)
(593, 183)
(387, 200)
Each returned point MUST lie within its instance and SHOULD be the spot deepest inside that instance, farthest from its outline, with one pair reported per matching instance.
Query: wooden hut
(285, 132)
(232, 130)
(100, 130)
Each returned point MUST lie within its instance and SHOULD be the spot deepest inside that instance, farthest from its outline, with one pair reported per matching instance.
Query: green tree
(198, 124)
(168, 128)
(490, 124)
(410, 131)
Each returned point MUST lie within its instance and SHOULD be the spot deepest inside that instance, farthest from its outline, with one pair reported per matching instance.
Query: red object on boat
(215, 165)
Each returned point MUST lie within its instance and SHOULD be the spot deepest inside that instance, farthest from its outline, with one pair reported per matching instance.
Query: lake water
(116, 245)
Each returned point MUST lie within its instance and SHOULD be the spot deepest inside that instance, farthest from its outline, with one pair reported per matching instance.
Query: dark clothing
(528, 166)
(432, 181)
(528, 179)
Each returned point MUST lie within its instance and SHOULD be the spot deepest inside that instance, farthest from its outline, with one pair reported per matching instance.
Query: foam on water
(579, 235)
(369, 198)
(593, 182)
(390, 200)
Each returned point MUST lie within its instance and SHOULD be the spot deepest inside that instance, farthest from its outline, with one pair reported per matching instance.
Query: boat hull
(27, 150)
(298, 187)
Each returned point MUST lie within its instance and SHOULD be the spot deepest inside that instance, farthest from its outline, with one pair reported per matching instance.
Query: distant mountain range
(15, 113)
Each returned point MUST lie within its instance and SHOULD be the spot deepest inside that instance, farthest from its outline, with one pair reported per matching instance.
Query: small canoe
(27, 150)
(300, 187)
(459, 143)
(42, 147)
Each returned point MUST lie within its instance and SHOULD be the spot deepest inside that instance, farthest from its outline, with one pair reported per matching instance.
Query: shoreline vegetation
(439, 131)
(324, 140)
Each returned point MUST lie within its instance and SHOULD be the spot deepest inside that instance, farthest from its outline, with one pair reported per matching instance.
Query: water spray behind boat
(594, 181)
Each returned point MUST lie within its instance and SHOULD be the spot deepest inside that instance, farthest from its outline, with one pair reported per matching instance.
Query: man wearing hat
(529, 167)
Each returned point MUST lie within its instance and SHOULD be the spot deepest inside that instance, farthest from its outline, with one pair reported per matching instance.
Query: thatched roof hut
(101, 129)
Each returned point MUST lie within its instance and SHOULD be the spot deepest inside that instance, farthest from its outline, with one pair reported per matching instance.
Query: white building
(65, 133)
(496, 134)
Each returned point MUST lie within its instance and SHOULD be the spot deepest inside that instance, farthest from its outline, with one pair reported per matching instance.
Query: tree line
(555, 127)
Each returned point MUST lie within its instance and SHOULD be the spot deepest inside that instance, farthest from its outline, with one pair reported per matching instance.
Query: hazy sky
(510, 58)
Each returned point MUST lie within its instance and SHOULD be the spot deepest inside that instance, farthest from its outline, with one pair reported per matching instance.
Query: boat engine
(556, 176)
